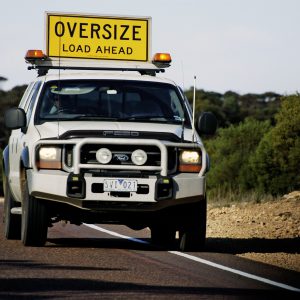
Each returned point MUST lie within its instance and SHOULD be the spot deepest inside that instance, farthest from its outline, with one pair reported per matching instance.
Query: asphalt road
(113, 262)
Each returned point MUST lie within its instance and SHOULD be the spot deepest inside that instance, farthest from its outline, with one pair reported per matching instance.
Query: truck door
(16, 142)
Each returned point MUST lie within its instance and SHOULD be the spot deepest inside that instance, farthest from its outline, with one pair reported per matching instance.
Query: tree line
(257, 146)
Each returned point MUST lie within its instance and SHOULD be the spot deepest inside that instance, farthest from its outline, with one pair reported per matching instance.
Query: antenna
(182, 71)
(59, 101)
(59, 87)
(194, 108)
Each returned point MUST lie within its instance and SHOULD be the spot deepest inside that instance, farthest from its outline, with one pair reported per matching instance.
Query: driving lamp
(139, 157)
(49, 158)
(189, 161)
(104, 155)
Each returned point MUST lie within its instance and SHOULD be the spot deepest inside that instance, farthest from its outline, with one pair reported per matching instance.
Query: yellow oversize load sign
(97, 37)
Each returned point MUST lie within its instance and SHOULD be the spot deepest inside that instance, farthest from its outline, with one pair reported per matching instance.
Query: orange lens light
(189, 168)
(35, 54)
(162, 57)
(55, 165)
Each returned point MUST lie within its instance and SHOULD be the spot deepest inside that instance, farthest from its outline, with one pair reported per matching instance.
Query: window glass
(25, 96)
(31, 101)
(111, 100)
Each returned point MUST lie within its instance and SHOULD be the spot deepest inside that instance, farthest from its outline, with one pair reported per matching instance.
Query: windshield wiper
(151, 118)
(93, 117)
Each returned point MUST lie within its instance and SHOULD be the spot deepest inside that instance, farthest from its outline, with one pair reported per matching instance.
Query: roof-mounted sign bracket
(43, 69)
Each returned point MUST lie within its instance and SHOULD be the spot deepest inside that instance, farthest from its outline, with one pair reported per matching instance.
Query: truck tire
(12, 223)
(193, 230)
(34, 220)
(162, 235)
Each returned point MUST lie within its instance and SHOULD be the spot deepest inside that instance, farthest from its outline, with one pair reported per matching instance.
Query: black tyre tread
(193, 231)
(162, 235)
(35, 224)
(12, 223)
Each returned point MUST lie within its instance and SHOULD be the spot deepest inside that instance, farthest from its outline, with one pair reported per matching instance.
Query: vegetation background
(256, 151)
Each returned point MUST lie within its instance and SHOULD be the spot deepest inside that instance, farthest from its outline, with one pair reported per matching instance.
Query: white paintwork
(54, 182)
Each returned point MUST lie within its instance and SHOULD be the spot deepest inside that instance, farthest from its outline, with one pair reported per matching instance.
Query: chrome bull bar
(162, 145)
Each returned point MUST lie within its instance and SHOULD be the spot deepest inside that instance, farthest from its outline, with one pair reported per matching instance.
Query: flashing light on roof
(162, 60)
(34, 54)
(162, 57)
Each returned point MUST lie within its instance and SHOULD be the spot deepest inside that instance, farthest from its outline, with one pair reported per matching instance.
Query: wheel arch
(5, 163)
(24, 164)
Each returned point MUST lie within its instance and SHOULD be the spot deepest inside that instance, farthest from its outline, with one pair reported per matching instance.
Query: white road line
(200, 260)
(116, 234)
(241, 273)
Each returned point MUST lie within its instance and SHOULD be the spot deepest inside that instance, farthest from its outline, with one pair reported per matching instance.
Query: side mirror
(207, 123)
(15, 118)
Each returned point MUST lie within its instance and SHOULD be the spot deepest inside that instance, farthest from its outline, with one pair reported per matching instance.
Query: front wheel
(163, 235)
(12, 222)
(34, 220)
(193, 230)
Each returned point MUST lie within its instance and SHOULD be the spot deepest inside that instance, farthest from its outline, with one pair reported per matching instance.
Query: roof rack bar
(43, 70)
(96, 68)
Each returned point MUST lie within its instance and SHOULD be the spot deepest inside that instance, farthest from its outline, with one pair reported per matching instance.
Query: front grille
(88, 154)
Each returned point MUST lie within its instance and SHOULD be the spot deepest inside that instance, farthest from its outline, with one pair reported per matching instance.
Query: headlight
(104, 155)
(49, 158)
(139, 157)
(190, 157)
(189, 161)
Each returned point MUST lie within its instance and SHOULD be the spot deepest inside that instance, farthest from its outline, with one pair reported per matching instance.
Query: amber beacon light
(162, 57)
(34, 54)
(162, 60)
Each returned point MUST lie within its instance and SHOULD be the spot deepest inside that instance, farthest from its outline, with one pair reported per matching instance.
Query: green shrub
(277, 159)
(230, 152)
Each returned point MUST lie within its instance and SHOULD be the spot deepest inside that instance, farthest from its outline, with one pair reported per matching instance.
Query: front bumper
(53, 185)
(80, 187)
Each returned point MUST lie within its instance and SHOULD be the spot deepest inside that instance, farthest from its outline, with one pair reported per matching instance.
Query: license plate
(120, 185)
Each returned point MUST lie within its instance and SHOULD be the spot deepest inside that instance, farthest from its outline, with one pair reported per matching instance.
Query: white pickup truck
(108, 147)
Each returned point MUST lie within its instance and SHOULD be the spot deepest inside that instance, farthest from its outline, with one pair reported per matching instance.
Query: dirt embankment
(268, 232)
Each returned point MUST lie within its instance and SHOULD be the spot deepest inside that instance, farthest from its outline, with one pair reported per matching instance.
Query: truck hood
(54, 129)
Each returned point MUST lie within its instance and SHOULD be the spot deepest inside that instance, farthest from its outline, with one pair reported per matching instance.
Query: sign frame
(118, 27)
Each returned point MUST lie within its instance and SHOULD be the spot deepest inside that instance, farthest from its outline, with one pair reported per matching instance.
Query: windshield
(111, 100)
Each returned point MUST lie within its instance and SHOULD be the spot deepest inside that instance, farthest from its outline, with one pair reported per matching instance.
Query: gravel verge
(268, 232)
